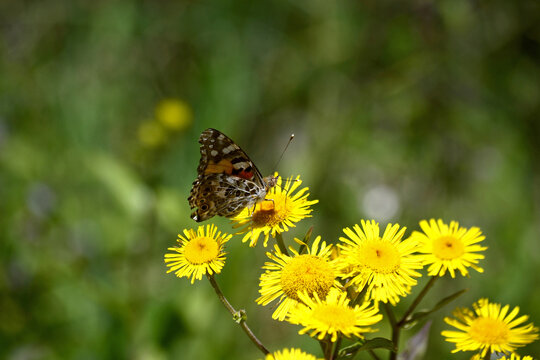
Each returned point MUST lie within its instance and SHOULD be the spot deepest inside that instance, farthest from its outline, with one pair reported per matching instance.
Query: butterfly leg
(251, 211)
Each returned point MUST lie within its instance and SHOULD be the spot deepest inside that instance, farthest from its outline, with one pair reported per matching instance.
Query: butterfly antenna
(283, 152)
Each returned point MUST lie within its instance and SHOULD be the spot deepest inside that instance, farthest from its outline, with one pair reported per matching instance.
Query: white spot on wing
(228, 149)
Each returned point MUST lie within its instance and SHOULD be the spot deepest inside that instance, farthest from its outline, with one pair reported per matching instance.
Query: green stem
(395, 330)
(373, 355)
(281, 244)
(327, 347)
(238, 316)
(328, 352)
(397, 325)
(391, 316)
(323, 344)
(417, 301)
(335, 350)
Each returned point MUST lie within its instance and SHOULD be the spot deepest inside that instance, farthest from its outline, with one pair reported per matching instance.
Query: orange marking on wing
(224, 166)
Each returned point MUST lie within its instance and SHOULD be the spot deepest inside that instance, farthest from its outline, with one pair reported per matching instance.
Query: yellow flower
(489, 329)
(151, 134)
(199, 253)
(280, 210)
(449, 247)
(313, 272)
(333, 316)
(384, 266)
(173, 114)
(513, 356)
(290, 354)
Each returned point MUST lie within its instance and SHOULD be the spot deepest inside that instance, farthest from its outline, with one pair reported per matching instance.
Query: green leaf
(123, 183)
(378, 343)
(305, 242)
(421, 314)
(375, 343)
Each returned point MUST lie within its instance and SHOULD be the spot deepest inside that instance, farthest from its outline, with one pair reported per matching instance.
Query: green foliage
(422, 314)
(437, 102)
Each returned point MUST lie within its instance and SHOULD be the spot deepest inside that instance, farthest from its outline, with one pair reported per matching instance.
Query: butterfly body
(227, 179)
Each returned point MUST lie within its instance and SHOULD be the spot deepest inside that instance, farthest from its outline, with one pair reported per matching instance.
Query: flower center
(489, 331)
(379, 256)
(337, 317)
(448, 248)
(201, 250)
(269, 212)
(307, 273)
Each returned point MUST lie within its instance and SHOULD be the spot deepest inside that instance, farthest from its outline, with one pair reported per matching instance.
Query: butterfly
(227, 180)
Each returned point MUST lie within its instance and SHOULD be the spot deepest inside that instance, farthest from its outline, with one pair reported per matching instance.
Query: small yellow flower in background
(386, 265)
(313, 272)
(199, 253)
(333, 316)
(281, 209)
(489, 329)
(290, 354)
(173, 114)
(449, 248)
(151, 134)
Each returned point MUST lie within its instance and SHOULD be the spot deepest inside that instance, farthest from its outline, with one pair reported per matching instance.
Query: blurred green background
(402, 111)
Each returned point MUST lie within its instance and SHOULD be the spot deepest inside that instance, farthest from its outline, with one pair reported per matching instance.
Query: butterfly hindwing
(223, 195)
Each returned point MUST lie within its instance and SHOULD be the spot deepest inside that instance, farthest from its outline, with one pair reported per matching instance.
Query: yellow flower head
(515, 356)
(489, 329)
(512, 356)
(333, 316)
(151, 134)
(313, 272)
(199, 253)
(384, 266)
(173, 114)
(290, 354)
(281, 209)
(449, 247)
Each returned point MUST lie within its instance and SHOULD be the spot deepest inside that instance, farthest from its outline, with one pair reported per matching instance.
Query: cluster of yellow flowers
(336, 291)
(170, 116)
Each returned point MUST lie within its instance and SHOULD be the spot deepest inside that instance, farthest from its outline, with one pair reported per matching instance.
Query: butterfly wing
(223, 195)
(221, 155)
(227, 179)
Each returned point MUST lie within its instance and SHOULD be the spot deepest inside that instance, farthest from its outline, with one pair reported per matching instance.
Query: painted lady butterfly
(227, 180)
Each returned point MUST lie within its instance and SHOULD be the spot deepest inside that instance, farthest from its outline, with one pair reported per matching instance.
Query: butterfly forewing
(227, 179)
